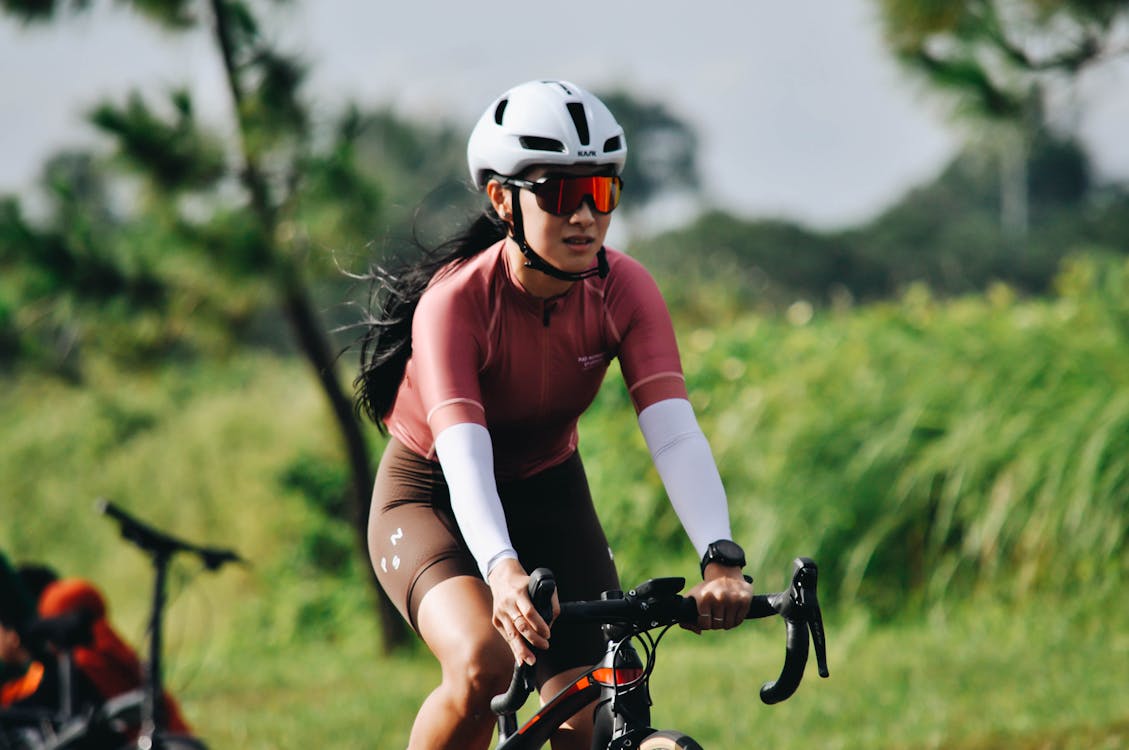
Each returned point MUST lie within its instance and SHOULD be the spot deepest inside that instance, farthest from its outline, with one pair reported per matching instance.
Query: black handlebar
(542, 586)
(656, 603)
(799, 606)
(159, 543)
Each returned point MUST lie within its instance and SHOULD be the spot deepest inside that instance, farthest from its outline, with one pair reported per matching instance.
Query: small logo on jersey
(592, 361)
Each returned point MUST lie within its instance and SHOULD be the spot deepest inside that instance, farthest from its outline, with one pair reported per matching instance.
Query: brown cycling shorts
(415, 543)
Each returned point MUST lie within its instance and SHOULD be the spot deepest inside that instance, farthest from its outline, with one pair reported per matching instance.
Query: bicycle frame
(619, 684)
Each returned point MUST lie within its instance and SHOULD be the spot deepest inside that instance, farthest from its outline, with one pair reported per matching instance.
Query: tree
(81, 267)
(1001, 58)
(995, 53)
(262, 237)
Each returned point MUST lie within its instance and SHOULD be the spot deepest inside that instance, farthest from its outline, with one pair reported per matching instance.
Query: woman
(479, 362)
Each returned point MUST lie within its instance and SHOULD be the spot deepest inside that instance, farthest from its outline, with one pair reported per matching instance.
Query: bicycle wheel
(669, 740)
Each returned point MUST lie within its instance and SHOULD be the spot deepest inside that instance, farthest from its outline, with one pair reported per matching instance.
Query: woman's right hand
(514, 615)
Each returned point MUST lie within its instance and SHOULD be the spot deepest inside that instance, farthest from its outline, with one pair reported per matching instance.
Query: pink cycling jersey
(486, 351)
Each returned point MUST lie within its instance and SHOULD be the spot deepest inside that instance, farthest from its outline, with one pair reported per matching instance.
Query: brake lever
(819, 641)
(541, 587)
(805, 582)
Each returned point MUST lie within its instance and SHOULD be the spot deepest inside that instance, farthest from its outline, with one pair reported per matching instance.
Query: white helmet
(544, 122)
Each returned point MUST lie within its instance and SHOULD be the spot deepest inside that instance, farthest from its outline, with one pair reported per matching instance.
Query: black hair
(36, 577)
(17, 608)
(394, 293)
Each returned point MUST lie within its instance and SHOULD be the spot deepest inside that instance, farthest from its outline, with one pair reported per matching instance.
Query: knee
(477, 672)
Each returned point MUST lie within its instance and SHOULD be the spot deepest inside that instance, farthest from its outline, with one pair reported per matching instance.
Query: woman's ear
(499, 199)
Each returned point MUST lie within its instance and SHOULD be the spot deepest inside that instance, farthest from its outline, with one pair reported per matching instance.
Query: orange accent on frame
(613, 677)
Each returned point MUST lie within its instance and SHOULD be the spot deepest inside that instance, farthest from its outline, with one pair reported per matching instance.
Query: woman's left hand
(723, 598)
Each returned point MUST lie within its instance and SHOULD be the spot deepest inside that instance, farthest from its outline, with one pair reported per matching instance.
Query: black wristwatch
(723, 551)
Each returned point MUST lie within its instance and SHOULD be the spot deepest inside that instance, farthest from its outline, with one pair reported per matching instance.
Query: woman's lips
(579, 243)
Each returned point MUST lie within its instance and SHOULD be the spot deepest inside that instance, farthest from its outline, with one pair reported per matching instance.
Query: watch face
(730, 551)
(726, 551)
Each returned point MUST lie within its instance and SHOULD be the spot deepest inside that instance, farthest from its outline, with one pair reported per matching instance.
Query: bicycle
(139, 711)
(161, 548)
(619, 683)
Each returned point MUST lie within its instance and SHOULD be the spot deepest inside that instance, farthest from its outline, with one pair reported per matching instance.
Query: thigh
(455, 621)
(414, 541)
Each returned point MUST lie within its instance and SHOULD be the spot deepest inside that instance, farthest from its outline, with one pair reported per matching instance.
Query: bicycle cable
(185, 676)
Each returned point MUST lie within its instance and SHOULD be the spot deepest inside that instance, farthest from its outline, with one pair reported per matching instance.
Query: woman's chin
(577, 261)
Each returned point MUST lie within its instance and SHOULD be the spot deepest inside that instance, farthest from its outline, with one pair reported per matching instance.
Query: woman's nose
(584, 214)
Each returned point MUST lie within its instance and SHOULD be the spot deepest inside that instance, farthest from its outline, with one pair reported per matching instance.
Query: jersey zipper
(546, 310)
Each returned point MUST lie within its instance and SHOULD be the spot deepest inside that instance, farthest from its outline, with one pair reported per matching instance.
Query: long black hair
(394, 292)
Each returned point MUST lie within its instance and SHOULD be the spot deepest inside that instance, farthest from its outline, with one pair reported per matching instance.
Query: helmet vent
(535, 143)
(576, 111)
(500, 110)
(614, 143)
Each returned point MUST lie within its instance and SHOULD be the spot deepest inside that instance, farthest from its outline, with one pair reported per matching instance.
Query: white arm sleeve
(467, 457)
(689, 473)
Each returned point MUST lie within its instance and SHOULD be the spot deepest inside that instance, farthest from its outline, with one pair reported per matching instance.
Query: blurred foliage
(725, 265)
(945, 234)
(1004, 63)
(996, 54)
(321, 481)
(182, 241)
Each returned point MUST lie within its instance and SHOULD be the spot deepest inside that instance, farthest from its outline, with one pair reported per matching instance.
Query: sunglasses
(562, 195)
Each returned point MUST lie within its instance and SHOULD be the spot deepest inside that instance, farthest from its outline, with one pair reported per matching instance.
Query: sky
(801, 112)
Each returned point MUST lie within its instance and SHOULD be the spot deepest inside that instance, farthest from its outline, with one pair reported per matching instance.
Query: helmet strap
(537, 263)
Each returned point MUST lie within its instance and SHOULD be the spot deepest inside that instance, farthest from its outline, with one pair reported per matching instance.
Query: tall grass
(919, 449)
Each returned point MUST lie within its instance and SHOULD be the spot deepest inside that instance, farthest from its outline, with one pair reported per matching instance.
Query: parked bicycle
(619, 684)
(136, 719)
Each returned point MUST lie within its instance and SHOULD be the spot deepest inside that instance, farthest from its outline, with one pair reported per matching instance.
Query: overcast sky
(801, 111)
